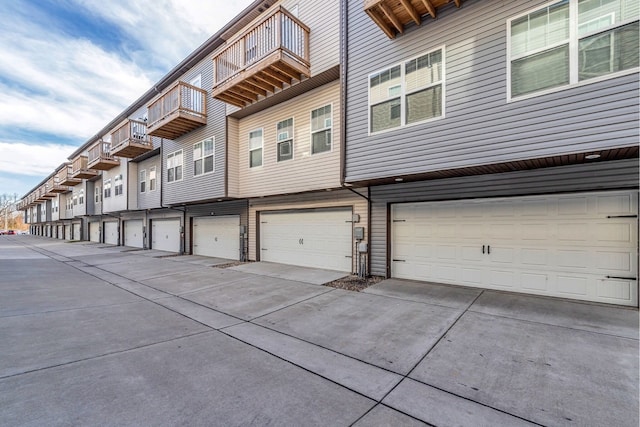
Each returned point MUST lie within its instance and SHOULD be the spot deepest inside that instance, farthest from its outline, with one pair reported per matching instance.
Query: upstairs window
(118, 185)
(548, 49)
(284, 133)
(174, 166)
(255, 148)
(203, 157)
(407, 93)
(81, 197)
(321, 127)
(107, 188)
(152, 178)
(97, 196)
(143, 181)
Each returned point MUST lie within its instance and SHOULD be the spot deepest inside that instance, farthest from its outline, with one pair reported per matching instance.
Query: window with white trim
(407, 93)
(143, 181)
(152, 178)
(571, 41)
(255, 148)
(81, 197)
(203, 153)
(107, 188)
(174, 166)
(97, 195)
(118, 185)
(321, 127)
(284, 144)
(75, 200)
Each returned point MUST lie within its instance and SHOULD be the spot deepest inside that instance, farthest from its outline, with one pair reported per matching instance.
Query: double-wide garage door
(319, 238)
(133, 235)
(580, 246)
(165, 235)
(217, 236)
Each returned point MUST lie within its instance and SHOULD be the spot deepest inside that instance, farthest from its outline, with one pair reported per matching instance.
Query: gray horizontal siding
(239, 207)
(208, 186)
(480, 126)
(611, 175)
(149, 199)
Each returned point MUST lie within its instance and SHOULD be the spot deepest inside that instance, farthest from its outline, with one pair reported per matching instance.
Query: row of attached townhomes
(469, 142)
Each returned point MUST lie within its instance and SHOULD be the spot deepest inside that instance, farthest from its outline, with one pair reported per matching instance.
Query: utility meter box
(358, 233)
(363, 247)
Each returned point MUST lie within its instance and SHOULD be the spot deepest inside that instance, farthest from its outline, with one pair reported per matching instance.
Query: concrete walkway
(101, 335)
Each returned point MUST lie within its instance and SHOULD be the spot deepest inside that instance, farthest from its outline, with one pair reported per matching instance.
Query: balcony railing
(392, 15)
(131, 139)
(179, 110)
(81, 169)
(272, 54)
(100, 157)
(66, 176)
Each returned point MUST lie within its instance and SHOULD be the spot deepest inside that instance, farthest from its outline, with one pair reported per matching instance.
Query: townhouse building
(467, 142)
(500, 141)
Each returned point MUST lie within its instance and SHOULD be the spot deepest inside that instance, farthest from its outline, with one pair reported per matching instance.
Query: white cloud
(24, 159)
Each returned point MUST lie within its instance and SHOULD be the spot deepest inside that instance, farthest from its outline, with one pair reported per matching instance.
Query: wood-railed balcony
(100, 157)
(81, 169)
(179, 110)
(66, 176)
(130, 139)
(271, 55)
(54, 186)
(392, 15)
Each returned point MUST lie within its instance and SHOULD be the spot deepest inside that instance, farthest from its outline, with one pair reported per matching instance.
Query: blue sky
(68, 67)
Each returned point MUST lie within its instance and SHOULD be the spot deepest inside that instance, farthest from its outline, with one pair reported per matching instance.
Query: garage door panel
(94, 231)
(111, 232)
(217, 236)
(165, 235)
(308, 238)
(557, 245)
(133, 234)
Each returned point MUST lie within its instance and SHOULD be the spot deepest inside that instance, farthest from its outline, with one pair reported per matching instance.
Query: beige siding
(232, 157)
(333, 199)
(305, 172)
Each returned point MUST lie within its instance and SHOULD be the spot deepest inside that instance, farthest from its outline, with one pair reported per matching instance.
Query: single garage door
(67, 232)
(579, 246)
(217, 236)
(319, 238)
(165, 234)
(94, 231)
(60, 232)
(133, 236)
(77, 236)
(111, 232)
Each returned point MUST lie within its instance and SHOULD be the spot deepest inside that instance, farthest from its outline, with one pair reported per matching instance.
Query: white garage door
(67, 232)
(133, 233)
(319, 238)
(94, 231)
(165, 235)
(217, 236)
(60, 232)
(580, 246)
(76, 232)
(111, 232)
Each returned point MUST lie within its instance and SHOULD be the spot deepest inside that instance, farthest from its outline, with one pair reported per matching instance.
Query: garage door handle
(488, 249)
(621, 278)
(622, 216)
(399, 260)
(483, 249)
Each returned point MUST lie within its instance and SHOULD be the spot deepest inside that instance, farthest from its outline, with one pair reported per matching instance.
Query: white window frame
(142, 178)
(153, 182)
(574, 39)
(403, 94)
(117, 185)
(261, 148)
(170, 165)
(312, 131)
(81, 197)
(289, 139)
(107, 188)
(203, 157)
(97, 194)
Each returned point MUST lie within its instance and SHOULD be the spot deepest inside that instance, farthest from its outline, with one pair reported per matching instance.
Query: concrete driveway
(100, 335)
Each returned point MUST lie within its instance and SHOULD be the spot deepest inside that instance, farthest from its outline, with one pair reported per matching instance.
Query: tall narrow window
(174, 166)
(81, 197)
(203, 157)
(107, 188)
(255, 148)
(97, 195)
(285, 140)
(152, 178)
(118, 185)
(143, 181)
(321, 126)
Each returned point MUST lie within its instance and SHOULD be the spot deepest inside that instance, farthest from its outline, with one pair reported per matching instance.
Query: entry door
(133, 235)
(319, 238)
(580, 246)
(111, 232)
(165, 235)
(217, 236)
